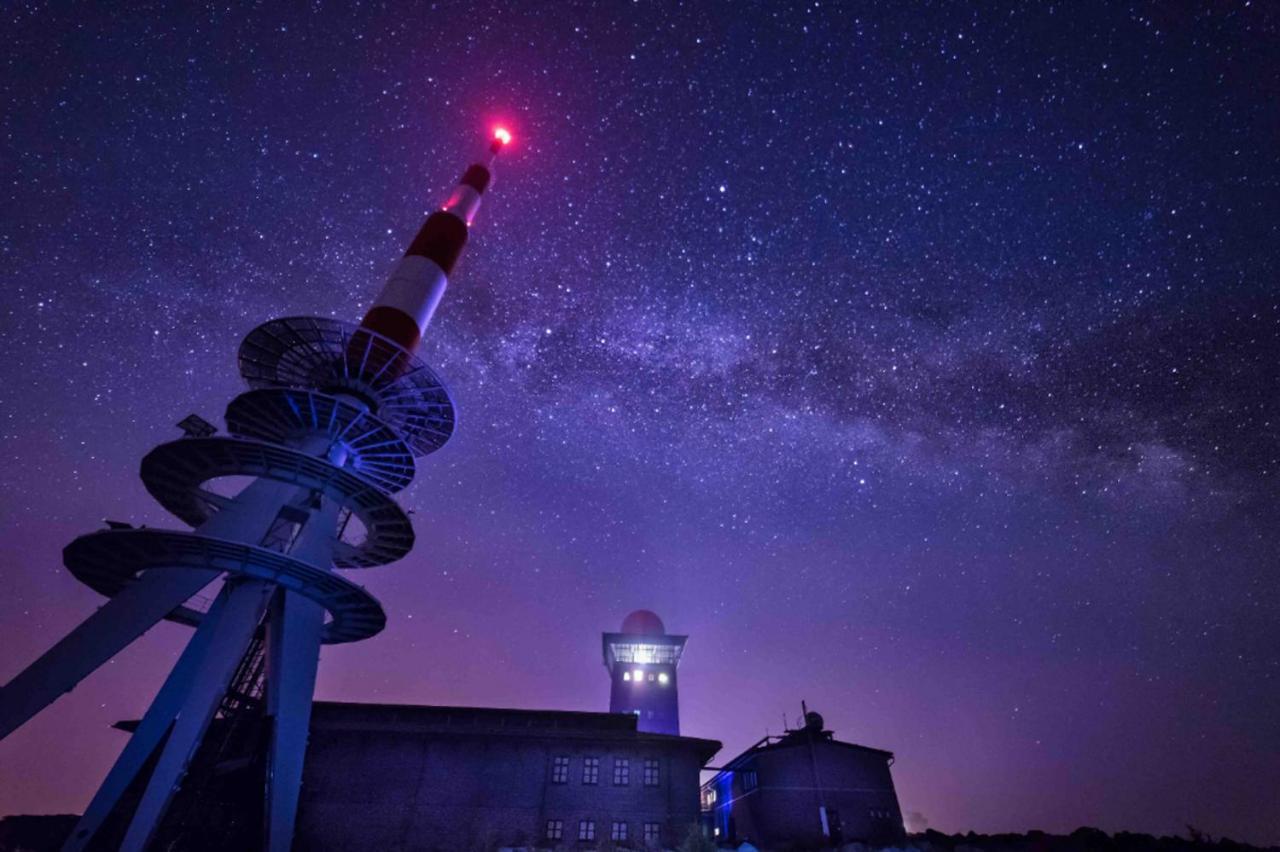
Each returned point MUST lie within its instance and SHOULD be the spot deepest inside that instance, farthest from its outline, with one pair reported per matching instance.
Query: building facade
(642, 660)
(387, 777)
(803, 790)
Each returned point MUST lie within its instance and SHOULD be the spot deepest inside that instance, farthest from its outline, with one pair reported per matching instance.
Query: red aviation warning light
(501, 134)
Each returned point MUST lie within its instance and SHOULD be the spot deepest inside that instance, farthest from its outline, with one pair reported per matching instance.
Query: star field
(919, 361)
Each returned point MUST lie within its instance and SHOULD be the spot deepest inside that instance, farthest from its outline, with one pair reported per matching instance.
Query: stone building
(803, 790)
(395, 778)
(388, 777)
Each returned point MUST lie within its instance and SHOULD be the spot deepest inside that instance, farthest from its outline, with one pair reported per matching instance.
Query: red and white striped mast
(417, 283)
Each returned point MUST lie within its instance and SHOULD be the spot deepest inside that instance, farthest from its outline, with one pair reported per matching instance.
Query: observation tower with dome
(328, 432)
(642, 659)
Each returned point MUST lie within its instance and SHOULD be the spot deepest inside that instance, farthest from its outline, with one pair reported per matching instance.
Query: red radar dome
(644, 622)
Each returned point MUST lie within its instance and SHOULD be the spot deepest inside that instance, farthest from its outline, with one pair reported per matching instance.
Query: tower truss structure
(335, 416)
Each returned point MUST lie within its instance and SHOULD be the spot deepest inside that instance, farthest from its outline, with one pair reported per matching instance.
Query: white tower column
(293, 652)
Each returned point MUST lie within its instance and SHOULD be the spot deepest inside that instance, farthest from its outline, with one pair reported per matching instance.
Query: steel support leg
(293, 650)
(242, 612)
(127, 615)
(150, 732)
(94, 641)
(293, 653)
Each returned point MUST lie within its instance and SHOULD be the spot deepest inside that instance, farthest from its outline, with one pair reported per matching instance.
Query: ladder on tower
(212, 810)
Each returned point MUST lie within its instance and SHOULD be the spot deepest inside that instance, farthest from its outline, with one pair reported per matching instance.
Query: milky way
(920, 363)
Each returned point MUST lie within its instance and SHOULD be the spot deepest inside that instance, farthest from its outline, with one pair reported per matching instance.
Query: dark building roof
(497, 722)
(798, 737)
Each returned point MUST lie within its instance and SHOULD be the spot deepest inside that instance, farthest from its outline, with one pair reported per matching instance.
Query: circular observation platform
(288, 415)
(334, 357)
(109, 561)
(174, 474)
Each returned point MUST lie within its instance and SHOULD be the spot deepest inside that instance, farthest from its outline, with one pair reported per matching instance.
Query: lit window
(749, 779)
(716, 831)
(650, 677)
(618, 832)
(626, 675)
(590, 770)
(650, 772)
(621, 772)
(555, 829)
(662, 678)
(587, 829)
(652, 832)
(637, 675)
(560, 770)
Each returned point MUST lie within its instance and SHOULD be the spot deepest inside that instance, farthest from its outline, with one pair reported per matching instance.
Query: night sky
(919, 361)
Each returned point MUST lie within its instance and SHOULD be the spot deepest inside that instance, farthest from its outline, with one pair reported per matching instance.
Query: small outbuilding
(804, 790)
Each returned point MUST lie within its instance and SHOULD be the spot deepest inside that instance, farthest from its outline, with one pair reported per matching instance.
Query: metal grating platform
(108, 561)
(315, 353)
(174, 473)
(285, 415)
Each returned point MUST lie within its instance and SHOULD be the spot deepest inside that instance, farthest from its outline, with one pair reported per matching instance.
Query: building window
(626, 676)
(587, 829)
(555, 829)
(618, 832)
(749, 780)
(637, 675)
(662, 678)
(652, 832)
(621, 772)
(591, 770)
(650, 772)
(560, 770)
